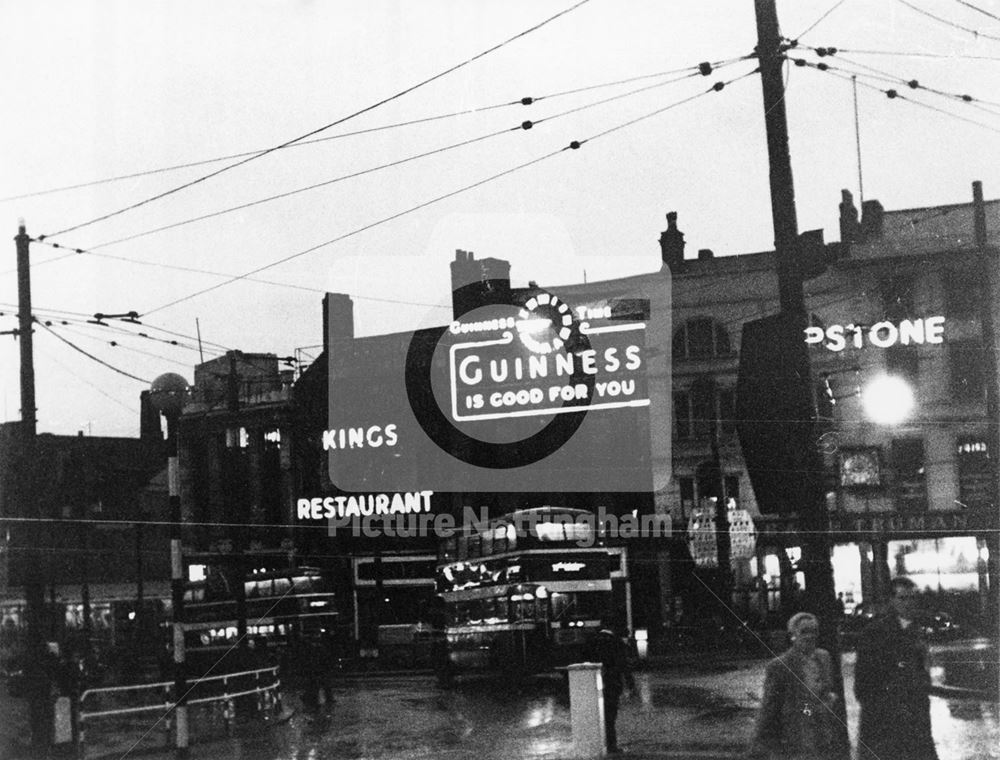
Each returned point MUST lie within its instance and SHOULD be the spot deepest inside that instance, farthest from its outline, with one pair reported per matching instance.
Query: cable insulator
(891, 94)
(48, 324)
(821, 52)
(113, 342)
(967, 98)
(913, 84)
(56, 245)
(575, 145)
(527, 124)
(822, 66)
(718, 86)
(527, 101)
(41, 238)
(705, 68)
(831, 51)
(799, 61)
(78, 250)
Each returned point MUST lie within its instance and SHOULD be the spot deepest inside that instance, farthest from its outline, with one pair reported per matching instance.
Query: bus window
(282, 586)
(475, 546)
(487, 548)
(448, 549)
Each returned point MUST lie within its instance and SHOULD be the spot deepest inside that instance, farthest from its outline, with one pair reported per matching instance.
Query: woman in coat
(796, 712)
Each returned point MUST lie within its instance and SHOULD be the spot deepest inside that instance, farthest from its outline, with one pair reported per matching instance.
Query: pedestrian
(892, 683)
(797, 708)
(610, 651)
(319, 666)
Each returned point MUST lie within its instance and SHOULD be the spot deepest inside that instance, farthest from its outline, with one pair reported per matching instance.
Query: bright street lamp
(887, 399)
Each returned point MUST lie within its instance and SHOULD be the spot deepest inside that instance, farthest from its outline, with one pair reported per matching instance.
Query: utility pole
(987, 263)
(31, 562)
(813, 518)
(236, 496)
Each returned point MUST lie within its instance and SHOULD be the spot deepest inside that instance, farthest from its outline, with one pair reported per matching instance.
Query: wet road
(677, 712)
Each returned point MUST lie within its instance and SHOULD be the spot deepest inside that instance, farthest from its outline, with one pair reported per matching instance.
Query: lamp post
(168, 394)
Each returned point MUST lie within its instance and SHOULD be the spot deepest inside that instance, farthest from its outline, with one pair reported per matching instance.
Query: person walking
(892, 683)
(797, 707)
(616, 676)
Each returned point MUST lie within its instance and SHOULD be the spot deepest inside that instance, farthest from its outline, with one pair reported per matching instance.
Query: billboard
(542, 391)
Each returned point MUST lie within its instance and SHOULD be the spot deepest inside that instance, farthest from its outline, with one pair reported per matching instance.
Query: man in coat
(611, 652)
(892, 683)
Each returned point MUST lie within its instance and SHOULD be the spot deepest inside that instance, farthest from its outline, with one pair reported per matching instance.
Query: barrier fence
(147, 709)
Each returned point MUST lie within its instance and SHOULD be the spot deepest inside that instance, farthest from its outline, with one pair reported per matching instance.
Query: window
(693, 412)
(682, 415)
(968, 372)
(909, 473)
(701, 338)
(975, 476)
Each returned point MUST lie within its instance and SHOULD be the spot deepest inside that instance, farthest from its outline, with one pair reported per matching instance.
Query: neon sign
(881, 334)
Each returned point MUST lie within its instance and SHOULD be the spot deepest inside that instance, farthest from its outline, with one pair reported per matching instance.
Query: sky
(100, 90)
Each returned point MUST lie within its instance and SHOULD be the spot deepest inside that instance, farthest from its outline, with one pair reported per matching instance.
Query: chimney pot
(672, 244)
(705, 253)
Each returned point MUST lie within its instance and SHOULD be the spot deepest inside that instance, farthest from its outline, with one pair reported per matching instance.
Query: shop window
(701, 338)
(968, 372)
(975, 475)
(909, 473)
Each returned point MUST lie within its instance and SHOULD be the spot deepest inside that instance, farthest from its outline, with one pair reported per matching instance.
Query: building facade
(911, 294)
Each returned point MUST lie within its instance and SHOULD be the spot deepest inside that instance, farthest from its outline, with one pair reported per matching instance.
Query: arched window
(701, 338)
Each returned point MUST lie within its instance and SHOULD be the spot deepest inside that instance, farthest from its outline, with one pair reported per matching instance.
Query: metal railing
(219, 693)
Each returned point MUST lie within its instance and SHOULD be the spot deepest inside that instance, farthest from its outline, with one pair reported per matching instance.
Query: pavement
(683, 708)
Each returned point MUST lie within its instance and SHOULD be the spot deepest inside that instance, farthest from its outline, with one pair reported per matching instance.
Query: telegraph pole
(813, 518)
(31, 563)
(987, 260)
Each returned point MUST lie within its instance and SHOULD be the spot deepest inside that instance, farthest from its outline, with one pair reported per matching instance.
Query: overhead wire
(947, 22)
(78, 377)
(910, 82)
(90, 355)
(817, 22)
(574, 145)
(689, 72)
(892, 94)
(918, 54)
(524, 101)
(978, 9)
(325, 127)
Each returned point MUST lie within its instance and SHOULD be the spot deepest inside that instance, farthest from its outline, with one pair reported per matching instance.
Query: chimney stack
(850, 229)
(478, 283)
(672, 244)
(871, 220)
(338, 318)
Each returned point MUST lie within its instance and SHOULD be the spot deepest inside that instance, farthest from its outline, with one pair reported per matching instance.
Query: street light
(168, 394)
(887, 399)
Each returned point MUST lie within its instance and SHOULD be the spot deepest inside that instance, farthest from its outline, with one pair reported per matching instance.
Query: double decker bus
(284, 608)
(527, 592)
